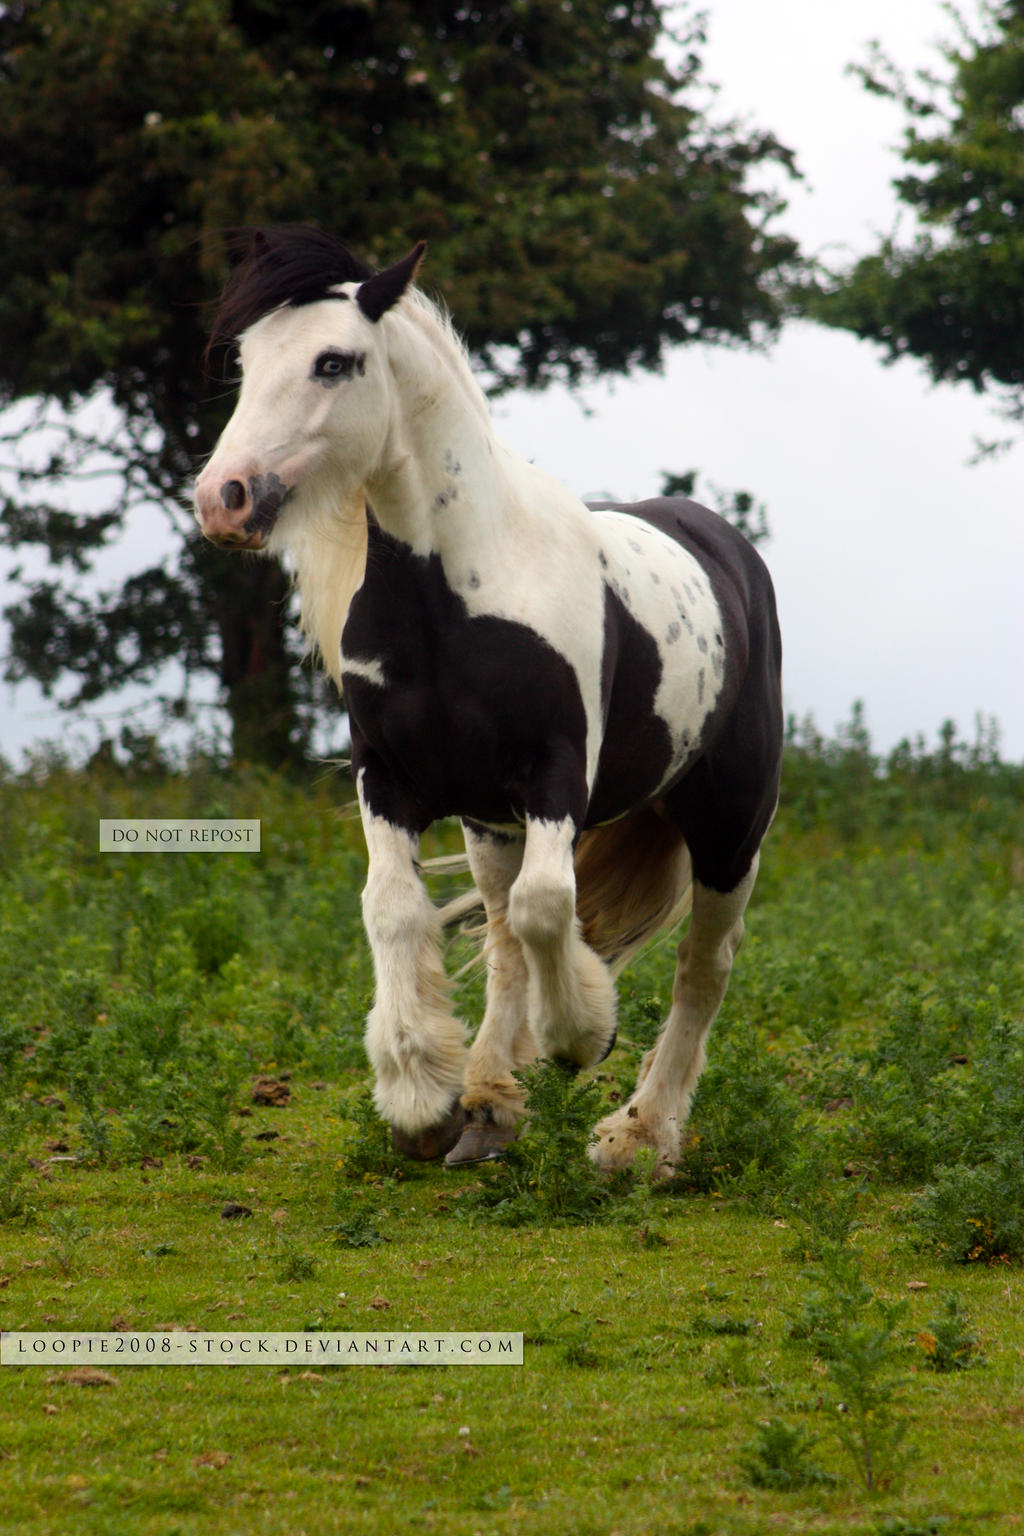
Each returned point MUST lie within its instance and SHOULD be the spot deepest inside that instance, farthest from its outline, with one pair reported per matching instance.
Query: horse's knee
(394, 911)
(541, 910)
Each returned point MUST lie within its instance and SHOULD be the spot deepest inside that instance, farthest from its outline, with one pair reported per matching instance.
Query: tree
(582, 214)
(954, 295)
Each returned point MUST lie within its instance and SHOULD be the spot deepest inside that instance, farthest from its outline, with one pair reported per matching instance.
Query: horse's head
(314, 408)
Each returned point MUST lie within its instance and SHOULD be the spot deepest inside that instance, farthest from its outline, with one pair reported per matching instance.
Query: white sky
(898, 567)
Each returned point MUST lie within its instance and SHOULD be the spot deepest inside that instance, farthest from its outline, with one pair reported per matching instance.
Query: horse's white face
(313, 411)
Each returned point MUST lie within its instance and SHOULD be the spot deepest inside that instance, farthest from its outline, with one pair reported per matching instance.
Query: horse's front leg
(570, 992)
(493, 1099)
(415, 1044)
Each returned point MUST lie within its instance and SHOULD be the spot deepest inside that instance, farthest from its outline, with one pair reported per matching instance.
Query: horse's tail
(633, 879)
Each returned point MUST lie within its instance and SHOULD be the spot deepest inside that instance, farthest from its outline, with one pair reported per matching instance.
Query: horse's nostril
(232, 494)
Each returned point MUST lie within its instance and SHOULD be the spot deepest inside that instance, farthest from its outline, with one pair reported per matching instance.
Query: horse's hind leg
(492, 1097)
(570, 992)
(656, 1113)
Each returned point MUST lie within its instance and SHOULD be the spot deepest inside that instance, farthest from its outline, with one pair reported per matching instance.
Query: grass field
(817, 1326)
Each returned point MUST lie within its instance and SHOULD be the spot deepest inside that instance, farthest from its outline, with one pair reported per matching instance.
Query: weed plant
(546, 1175)
(947, 1340)
(857, 1335)
(779, 1458)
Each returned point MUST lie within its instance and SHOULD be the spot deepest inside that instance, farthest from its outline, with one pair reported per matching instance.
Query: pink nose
(223, 512)
(240, 514)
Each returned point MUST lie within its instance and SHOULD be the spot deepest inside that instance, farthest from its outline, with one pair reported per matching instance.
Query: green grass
(863, 1099)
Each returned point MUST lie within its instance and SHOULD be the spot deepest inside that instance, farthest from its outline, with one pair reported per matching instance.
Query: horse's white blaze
(667, 592)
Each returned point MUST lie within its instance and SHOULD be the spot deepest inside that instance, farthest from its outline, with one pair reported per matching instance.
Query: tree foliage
(954, 295)
(582, 212)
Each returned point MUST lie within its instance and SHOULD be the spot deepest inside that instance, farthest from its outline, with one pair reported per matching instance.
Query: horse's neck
(443, 480)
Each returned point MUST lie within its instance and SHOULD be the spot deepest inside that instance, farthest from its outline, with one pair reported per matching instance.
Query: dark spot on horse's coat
(473, 580)
(673, 633)
(655, 578)
(451, 463)
(700, 686)
(702, 644)
(603, 559)
(717, 664)
(268, 494)
(637, 548)
(689, 592)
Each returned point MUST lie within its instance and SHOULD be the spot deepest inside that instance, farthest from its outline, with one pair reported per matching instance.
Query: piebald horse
(594, 691)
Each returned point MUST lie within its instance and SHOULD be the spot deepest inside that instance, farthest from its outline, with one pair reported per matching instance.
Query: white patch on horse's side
(679, 612)
(416, 1046)
(371, 671)
(496, 580)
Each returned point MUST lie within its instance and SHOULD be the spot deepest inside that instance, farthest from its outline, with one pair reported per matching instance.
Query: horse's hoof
(609, 1047)
(481, 1141)
(427, 1146)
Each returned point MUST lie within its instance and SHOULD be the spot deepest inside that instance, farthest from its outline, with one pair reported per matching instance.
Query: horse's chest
(467, 710)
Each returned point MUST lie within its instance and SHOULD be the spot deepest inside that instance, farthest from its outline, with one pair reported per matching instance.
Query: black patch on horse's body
(479, 718)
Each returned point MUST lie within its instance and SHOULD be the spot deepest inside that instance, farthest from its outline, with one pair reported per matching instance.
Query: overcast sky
(898, 567)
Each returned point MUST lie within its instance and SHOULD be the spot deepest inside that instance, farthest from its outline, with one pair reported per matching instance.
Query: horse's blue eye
(339, 365)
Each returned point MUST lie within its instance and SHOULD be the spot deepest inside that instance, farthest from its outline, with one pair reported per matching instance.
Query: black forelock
(284, 264)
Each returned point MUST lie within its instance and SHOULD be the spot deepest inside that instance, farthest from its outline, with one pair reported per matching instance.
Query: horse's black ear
(378, 293)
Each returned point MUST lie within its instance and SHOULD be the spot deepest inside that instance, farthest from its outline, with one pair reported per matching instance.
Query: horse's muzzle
(240, 514)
